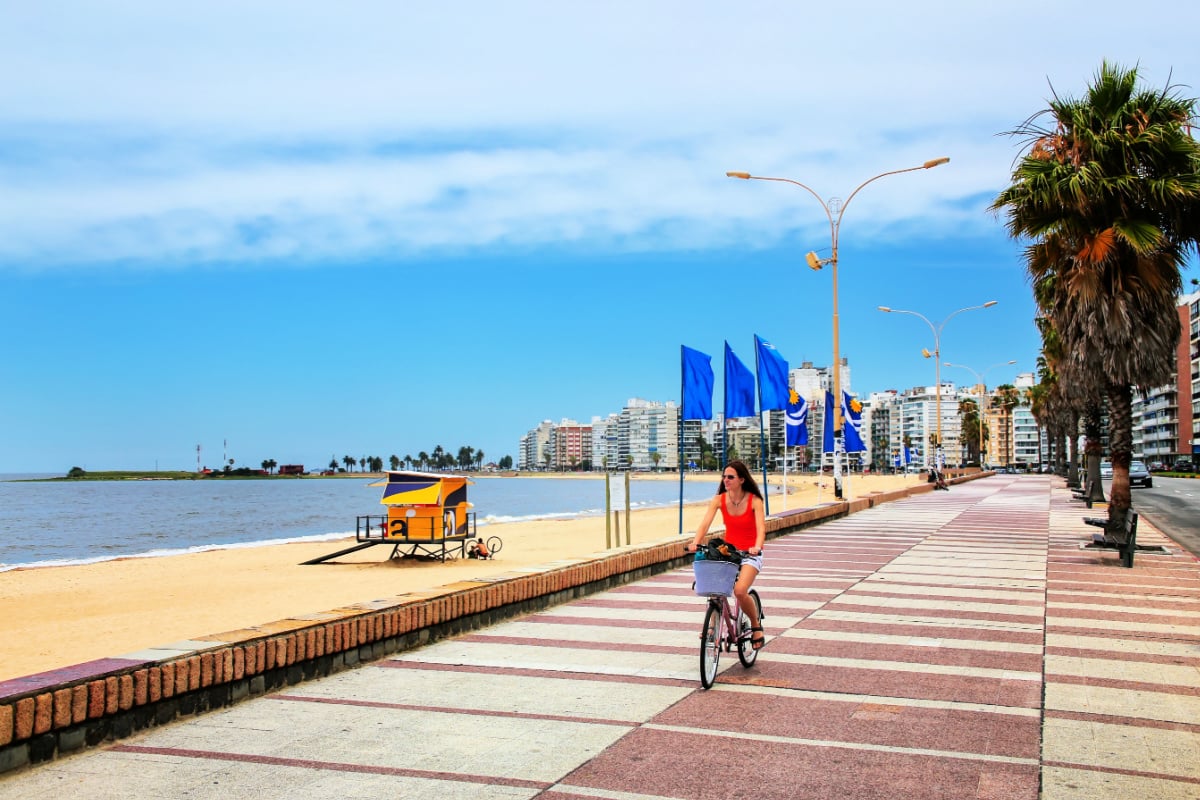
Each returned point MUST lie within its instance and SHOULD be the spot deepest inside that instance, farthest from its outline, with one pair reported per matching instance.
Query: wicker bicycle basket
(715, 578)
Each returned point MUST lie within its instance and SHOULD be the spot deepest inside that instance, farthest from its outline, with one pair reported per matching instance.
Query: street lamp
(983, 392)
(936, 356)
(815, 262)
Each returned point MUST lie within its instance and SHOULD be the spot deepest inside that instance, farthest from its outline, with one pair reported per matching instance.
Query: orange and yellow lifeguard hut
(428, 516)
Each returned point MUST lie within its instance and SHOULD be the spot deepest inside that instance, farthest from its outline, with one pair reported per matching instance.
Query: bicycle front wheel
(710, 645)
(746, 652)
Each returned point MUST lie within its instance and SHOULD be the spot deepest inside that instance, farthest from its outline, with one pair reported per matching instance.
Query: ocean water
(56, 523)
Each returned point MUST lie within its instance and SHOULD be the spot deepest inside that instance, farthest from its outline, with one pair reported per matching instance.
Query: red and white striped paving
(955, 645)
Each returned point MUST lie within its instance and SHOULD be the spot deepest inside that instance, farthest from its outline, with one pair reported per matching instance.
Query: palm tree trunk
(1073, 445)
(1093, 449)
(1120, 447)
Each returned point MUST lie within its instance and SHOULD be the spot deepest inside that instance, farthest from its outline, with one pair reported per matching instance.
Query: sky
(297, 231)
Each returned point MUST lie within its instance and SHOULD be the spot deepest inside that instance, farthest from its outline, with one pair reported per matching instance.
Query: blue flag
(827, 444)
(772, 376)
(697, 384)
(796, 416)
(907, 456)
(852, 423)
(739, 387)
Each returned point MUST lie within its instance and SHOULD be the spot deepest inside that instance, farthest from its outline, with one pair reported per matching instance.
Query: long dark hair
(748, 483)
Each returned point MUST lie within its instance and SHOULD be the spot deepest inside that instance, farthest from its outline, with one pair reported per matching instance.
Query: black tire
(710, 645)
(746, 652)
(494, 545)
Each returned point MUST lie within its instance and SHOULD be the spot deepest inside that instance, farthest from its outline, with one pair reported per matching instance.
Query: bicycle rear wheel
(746, 652)
(710, 645)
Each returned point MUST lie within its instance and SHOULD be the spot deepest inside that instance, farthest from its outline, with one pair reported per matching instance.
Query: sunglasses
(729, 477)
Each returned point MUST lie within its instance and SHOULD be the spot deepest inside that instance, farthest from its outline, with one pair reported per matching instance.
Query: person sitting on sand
(478, 549)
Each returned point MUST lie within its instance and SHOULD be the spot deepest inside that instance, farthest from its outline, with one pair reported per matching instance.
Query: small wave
(165, 552)
(642, 505)
(498, 519)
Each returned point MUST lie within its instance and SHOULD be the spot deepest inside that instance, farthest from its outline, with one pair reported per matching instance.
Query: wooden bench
(1123, 541)
(1084, 493)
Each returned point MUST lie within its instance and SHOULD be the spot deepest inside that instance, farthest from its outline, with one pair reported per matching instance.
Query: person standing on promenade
(741, 505)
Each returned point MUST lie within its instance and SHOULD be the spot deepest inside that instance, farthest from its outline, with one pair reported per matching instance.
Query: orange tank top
(741, 530)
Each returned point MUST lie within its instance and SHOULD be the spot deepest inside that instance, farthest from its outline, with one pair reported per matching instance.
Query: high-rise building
(606, 442)
(570, 445)
(1026, 439)
(649, 435)
(919, 423)
(1166, 427)
(535, 451)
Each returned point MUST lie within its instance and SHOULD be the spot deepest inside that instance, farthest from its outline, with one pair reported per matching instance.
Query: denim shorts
(753, 561)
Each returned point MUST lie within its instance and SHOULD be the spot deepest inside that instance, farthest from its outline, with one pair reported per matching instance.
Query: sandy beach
(52, 617)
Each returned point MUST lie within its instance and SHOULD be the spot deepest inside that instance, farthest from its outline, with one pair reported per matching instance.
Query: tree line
(1106, 196)
(467, 458)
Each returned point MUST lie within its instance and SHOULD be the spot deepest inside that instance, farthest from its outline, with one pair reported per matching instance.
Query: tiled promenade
(954, 645)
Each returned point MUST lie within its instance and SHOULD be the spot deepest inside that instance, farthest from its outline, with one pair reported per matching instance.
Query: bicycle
(723, 626)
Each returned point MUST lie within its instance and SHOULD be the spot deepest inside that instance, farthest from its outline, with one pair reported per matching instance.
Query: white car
(1105, 470)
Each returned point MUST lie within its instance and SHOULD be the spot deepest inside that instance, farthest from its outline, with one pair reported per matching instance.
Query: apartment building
(649, 435)
(1026, 439)
(1166, 427)
(571, 445)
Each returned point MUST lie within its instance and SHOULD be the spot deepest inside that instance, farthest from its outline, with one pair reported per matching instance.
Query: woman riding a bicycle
(741, 506)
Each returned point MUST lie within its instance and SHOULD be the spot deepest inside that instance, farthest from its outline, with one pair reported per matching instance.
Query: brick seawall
(62, 711)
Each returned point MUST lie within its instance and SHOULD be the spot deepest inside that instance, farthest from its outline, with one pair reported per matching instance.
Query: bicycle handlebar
(740, 553)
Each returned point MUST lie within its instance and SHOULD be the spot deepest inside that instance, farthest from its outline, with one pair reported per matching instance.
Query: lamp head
(935, 162)
(990, 303)
(813, 261)
(885, 308)
(926, 353)
(743, 175)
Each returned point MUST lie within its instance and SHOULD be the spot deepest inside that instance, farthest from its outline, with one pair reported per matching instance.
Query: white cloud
(170, 134)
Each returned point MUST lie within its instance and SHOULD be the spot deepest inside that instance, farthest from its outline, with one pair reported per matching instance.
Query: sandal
(757, 642)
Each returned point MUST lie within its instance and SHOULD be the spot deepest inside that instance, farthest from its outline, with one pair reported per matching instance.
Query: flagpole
(679, 437)
(762, 439)
(842, 442)
(725, 408)
(821, 475)
(785, 460)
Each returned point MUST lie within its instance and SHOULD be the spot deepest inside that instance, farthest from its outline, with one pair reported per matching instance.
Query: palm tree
(349, 462)
(394, 461)
(1109, 193)
(1075, 394)
(968, 410)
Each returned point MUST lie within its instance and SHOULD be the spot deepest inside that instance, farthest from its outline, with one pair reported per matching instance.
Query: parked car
(1139, 475)
(1184, 466)
(1105, 470)
(1157, 466)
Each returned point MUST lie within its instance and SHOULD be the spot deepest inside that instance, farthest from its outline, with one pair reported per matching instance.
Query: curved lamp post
(936, 356)
(979, 377)
(815, 262)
